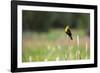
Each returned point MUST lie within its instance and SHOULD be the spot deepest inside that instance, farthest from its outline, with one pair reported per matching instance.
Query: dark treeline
(43, 20)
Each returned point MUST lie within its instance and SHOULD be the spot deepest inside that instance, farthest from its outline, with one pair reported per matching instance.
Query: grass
(54, 45)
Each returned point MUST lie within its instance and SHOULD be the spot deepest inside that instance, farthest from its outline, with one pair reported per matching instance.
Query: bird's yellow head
(67, 27)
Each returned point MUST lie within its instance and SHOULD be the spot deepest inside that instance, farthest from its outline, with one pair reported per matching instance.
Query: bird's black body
(68, 32)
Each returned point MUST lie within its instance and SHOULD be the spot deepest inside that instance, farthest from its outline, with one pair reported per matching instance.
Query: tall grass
(55, 46)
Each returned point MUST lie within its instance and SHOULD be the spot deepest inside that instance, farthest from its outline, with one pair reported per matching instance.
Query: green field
(54, 45)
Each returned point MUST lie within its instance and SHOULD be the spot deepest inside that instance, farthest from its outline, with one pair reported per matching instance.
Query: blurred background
(44, 39)
(41, 21)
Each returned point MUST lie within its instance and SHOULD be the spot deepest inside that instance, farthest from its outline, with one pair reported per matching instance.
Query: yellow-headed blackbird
(68, 32)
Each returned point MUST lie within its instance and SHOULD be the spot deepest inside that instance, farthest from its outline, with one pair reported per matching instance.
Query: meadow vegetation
(54, 45)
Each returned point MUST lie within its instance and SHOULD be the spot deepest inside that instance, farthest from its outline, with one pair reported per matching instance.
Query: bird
(68, 32)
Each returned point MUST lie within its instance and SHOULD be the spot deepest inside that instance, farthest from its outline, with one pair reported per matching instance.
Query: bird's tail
(71, 38)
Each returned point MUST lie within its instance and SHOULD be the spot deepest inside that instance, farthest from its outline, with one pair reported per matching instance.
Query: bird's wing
(69, 31)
